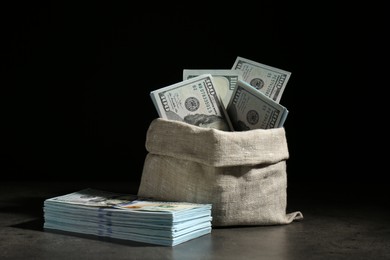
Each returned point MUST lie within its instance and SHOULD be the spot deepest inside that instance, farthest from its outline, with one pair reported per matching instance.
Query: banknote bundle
(242, 98)
(194, 101)
(126, 217)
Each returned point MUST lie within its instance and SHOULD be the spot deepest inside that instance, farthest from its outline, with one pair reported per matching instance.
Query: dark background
(76, 78)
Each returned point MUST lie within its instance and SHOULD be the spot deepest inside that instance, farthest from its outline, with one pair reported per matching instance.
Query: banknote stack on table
(127, 217)
(242, 98)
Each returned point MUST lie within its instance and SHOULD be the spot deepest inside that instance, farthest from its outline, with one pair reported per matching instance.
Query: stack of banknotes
(242, 98)
(126, 217)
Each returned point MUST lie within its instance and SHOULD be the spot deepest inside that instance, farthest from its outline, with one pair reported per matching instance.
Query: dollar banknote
(194, 101)
(250, 109)
(267, 79)
(225, 81)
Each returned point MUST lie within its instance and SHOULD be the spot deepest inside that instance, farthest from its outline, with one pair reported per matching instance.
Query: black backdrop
(76, 78)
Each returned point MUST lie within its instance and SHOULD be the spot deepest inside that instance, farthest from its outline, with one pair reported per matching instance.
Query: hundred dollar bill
(251, 109)
(194, 101)
(269, 80)
(225, 81)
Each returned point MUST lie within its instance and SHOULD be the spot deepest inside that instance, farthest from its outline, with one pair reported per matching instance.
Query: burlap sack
(242, 174)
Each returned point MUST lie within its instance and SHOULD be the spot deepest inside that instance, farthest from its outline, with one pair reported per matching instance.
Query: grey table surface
(337, 225)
